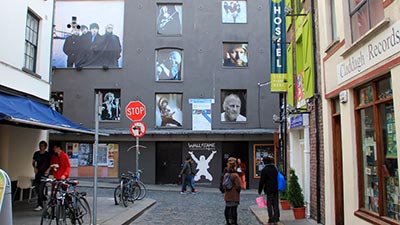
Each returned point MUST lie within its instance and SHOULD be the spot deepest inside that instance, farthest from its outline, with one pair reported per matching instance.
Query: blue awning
(26, 112)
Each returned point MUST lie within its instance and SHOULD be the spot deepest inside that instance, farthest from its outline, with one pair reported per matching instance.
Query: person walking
(41, 164)
(185, 174)
(232, 196)
(269, 183)
(193, 172)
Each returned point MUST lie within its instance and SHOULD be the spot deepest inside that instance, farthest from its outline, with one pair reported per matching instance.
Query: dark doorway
(168, 162)
(237, 150)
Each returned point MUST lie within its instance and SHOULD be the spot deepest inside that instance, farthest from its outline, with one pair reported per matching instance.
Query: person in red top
(59, 163)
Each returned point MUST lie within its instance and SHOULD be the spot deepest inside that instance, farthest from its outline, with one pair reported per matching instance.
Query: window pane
(360, 22)
(337, 106)
(369, 157)
(376, 9)
(390, 166)
(333, 20)
(385, 89)
(365, 95)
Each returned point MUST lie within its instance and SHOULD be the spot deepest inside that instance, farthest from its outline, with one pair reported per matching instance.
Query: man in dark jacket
(186, 174)
(269, 183)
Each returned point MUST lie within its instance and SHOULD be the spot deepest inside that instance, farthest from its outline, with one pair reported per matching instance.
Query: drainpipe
(316, 112)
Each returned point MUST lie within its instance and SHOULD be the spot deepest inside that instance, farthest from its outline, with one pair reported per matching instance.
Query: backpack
(227, 182)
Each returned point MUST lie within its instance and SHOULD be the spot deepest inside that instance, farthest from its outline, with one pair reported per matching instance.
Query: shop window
(378, 152)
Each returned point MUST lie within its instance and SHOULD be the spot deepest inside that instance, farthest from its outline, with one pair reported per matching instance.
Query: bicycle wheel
(61, 215)
(136, 191)
(124, 194)
(83, 214)
(48, 216)
(117, 195)
(143, 190)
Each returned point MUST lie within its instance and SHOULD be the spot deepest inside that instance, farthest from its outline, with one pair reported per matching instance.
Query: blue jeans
(187, 180)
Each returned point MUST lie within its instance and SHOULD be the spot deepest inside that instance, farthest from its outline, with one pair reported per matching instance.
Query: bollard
(5, 198)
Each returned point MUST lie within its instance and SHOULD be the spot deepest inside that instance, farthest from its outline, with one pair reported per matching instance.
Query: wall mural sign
(88, 34)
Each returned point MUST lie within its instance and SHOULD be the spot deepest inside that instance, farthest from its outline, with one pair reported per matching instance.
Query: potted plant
(295, 196)
(285, 204)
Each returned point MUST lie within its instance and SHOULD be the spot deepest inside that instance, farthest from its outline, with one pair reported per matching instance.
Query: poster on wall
(233, 106)
(85, 154)
(234, 12)
(72, 152)
(112, 151)
(201, 113)
(102, 155)
(235, 55)
(169, 65)
(169, 19)
(88, 34)
(168, 110)
(261, 151)
(110, 101)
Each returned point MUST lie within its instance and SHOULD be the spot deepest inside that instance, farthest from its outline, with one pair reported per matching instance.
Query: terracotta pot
(285, 205)
(299, 213)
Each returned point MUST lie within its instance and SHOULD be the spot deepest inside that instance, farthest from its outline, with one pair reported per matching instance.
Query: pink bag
(261, 202)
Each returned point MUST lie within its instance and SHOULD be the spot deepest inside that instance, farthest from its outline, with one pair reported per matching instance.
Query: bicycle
(127, 191)
(64, 203)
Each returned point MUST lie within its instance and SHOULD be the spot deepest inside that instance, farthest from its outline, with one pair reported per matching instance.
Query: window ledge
(26, 70)
(332, 45)
(373, 217)
(366, 37)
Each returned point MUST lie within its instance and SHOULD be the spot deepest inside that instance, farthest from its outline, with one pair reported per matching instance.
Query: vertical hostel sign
(278, 46)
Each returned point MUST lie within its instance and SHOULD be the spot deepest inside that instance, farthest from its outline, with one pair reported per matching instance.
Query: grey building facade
(204, 44)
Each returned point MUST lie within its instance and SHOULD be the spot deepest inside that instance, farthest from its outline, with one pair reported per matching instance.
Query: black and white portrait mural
(234, 12)
(110, 104)
(88, 34)
(233, 106)
(169, 19)
(169, 65)
(168, 110)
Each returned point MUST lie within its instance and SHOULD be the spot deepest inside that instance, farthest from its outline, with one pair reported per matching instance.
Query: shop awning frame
(23, 111)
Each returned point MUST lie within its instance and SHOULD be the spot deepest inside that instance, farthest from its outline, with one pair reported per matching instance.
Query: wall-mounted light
(343, 96)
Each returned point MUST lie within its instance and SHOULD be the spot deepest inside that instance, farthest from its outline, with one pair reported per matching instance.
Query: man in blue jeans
(186, 174)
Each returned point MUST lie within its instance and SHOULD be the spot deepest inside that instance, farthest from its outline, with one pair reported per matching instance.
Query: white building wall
(17, 144)
(331, 88)
(12, 46)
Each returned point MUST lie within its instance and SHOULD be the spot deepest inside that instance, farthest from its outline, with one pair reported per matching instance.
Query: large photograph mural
(88, 34)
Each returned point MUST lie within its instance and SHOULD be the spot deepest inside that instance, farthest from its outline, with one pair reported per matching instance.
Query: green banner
(278, 46)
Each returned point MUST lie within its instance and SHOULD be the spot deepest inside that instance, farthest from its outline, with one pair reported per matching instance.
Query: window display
(379, 156)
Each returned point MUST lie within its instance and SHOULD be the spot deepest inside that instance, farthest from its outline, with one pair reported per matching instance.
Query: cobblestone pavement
(204, 208)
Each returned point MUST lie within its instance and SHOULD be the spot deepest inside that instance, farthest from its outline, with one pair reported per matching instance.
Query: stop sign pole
(136, 111)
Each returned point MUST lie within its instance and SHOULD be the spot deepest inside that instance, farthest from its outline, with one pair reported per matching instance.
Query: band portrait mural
(169, 19)
(83, 37)
(234, 12)
(109, 100)
(168, 110)
(233, 106)
(235, 55)
(169, 64)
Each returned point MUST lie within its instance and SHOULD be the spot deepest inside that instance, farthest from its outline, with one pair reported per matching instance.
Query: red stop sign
(135, 110)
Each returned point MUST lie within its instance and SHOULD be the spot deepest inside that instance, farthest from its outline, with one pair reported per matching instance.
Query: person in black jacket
(269, 183)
